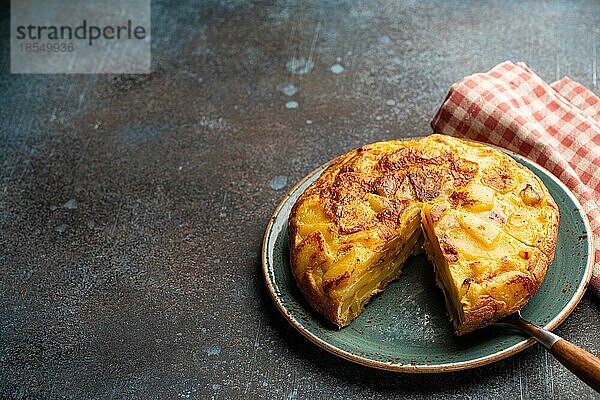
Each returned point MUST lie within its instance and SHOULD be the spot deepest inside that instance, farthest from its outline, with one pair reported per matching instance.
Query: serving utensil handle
(580, 362)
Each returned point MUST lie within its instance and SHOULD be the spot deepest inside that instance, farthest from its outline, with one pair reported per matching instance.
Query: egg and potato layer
(487, 223)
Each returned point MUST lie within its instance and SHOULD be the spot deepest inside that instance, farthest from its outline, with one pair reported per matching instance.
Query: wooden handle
(583, 364)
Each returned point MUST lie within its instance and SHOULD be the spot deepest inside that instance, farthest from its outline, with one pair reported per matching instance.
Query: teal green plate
(405, 328)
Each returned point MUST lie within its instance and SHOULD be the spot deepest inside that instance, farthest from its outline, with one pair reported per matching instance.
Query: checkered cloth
(557, 126)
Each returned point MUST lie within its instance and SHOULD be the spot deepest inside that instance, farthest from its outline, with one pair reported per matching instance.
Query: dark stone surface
(151, 286)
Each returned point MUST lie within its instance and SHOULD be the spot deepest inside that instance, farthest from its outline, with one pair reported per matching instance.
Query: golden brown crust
(324, 305)
(484, 312)
(360, 207)
(538, 265)
(486, 309)
(548, 244)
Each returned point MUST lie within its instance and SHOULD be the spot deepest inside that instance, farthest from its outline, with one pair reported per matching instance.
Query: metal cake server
(582, 363)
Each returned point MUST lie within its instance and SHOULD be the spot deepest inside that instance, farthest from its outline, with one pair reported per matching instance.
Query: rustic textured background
(132, 208)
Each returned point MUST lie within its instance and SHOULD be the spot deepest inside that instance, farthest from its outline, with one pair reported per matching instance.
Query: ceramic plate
(405, 328)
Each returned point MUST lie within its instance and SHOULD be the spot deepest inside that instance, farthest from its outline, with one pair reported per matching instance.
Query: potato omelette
(487, 224)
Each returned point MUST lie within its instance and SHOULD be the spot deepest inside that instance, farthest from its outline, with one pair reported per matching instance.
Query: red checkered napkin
(557, 126)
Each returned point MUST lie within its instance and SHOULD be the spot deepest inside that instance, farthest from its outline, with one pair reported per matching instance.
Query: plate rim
(447, 367)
